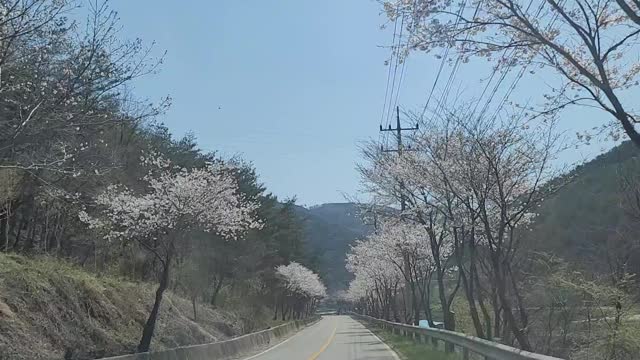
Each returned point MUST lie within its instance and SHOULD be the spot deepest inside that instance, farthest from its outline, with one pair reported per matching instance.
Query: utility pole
(399, 149)
(403, 205)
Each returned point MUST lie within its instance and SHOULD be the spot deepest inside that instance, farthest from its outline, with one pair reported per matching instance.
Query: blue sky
(300, 84)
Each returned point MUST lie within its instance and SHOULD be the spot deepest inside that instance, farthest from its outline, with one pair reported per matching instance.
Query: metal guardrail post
(449, 347)
(465, 353)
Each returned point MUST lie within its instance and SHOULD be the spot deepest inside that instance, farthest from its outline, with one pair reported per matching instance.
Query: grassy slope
(407, 349)
(49, 310)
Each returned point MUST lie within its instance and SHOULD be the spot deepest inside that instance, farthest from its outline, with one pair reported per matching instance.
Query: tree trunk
(394, 306)
(473, 309)
(497, 311)
(195, 308)
(31, 231)
(625, 120)
(59, 238)
(150, 325)
(7, 230)
(216, 291)
(405, 307)
(3, 227)
(511, 321)
(18, 234)
(468, 282)
(275, 307)
(485, 312)
(426, 300)
(415, 305)
(443, 301)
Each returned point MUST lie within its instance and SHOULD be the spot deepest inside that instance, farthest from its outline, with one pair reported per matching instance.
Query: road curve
(335, 337)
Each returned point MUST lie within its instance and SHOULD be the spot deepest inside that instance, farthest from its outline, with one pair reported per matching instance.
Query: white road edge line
(280, 343)
(383, 343)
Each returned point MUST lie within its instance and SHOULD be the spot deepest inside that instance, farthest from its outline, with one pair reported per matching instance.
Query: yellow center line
(326, 345)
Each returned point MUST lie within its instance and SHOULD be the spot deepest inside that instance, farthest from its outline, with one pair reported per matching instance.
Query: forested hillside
(331, 229)
(98, 198)
(575, 222)
(591, 214)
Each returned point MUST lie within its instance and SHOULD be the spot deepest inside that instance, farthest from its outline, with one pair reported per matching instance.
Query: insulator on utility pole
(399, 149)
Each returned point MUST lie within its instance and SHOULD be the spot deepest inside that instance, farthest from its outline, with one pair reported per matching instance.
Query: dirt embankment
(51, 310)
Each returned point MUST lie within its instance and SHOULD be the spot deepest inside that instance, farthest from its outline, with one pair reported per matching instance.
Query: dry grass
(52, 310)
(408, 349)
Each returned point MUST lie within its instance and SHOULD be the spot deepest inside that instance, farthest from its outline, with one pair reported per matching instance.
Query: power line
(524, 68)
(503, 76)
(456, 66)
(384, 120)
(395, 70)
(444, 59)
(386, 93)
(404, 59)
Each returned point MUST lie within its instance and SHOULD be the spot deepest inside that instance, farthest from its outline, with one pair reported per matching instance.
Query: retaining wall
(225, 349)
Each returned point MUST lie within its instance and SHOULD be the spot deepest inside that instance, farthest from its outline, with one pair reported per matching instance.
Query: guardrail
(465, 344)
(228, 349)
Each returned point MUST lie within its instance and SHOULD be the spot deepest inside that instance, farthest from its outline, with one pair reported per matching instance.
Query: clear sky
(293, 86)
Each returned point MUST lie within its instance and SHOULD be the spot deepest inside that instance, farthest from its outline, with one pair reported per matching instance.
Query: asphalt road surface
(335, 337)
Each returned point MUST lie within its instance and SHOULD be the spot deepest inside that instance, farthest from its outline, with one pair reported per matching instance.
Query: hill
(586, 218)
(331, 229)
(579, 222)
(52, 310)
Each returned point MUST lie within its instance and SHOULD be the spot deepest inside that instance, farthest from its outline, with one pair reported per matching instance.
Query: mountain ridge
(330, 229)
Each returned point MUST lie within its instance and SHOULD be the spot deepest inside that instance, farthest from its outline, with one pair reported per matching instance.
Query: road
(335, 337)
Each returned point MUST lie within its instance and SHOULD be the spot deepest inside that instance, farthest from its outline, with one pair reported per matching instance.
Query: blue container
(423, 324)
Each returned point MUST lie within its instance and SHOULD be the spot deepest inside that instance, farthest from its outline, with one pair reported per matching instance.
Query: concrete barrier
(225, 349)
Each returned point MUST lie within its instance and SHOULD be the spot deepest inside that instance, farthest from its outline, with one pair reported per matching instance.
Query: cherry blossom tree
(405, 244)
(590, 44)
(174, 202)
(474, 188)
(377, 277)
(411, 178)
(302, 289)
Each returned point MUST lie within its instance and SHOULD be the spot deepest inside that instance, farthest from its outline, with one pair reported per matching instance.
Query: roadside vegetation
(408, 349)
(473, 225)
(465, 249)
(108, 224)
